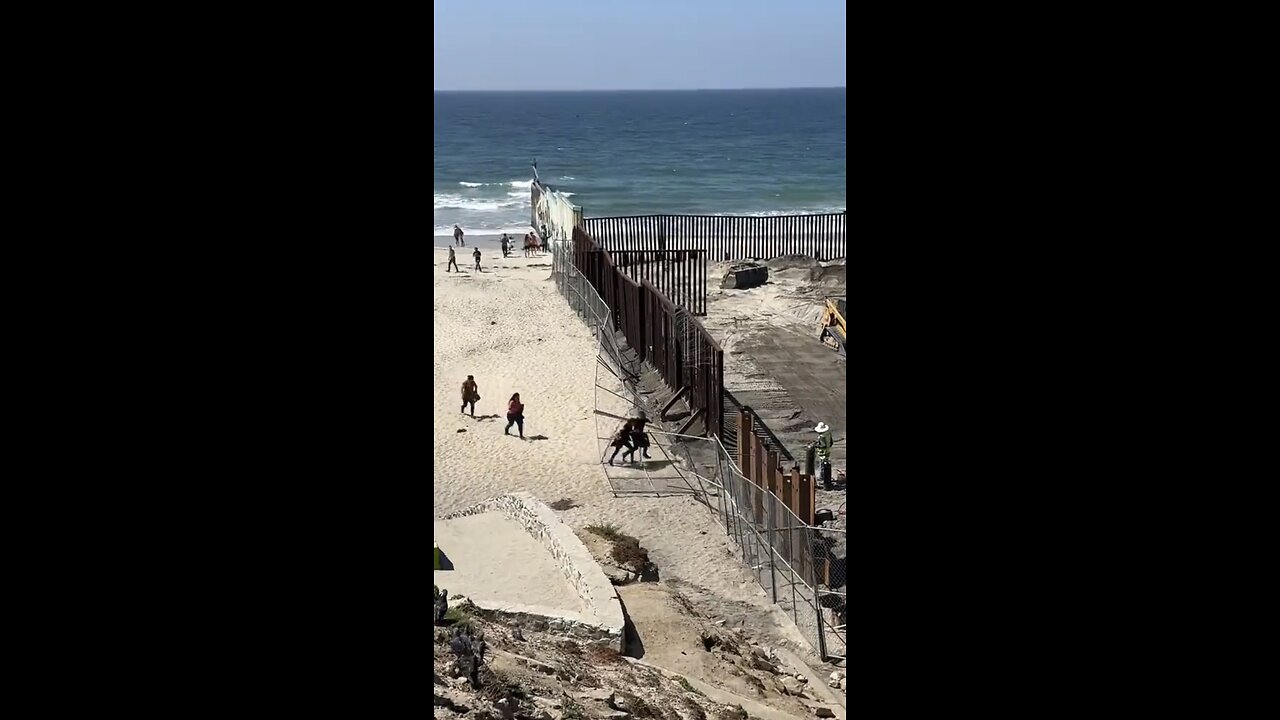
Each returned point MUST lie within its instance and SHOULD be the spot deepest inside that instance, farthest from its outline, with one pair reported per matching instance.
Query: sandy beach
(510, 328)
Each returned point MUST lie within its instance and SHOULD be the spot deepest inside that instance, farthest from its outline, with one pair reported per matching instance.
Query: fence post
(817, 597)
(804, 508)
(771, 503)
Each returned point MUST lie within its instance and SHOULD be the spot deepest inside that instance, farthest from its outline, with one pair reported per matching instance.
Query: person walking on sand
(476, 255)
(515, 415)
(457, 235)
(622, 439)
(470, 394)
(506, 245)
(453, 262)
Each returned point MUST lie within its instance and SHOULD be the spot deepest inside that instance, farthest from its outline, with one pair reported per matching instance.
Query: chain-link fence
(792, 561)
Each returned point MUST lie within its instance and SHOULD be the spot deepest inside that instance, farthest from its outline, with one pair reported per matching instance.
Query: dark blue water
(738, 152)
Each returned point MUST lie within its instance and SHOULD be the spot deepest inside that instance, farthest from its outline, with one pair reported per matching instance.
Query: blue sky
(627, 45)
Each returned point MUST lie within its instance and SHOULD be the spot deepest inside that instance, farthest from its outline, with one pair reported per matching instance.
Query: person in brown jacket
(470, 394)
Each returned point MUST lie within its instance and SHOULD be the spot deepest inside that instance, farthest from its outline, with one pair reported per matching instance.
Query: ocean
(715, 152)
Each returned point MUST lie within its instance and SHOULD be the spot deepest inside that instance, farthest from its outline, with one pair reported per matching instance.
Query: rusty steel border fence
(726, 237)
(665, 335)
(679, 274)
(780, 549)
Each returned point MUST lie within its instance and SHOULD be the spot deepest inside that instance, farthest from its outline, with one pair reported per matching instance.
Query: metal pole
(773, 577)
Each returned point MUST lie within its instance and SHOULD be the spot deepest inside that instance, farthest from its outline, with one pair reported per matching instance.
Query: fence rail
(726, 237)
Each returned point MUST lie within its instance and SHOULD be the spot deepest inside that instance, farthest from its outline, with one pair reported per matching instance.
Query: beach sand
(510, 328)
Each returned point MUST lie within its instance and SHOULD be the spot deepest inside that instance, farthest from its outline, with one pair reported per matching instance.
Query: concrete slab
(495, 559)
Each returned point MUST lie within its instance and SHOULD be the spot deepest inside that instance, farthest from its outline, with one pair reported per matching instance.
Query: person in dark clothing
(622, 439)
(506, 245)
(457, 236)
(476, 255)
(453, 262)
(515, 415)
(470, 394)
(638, 437)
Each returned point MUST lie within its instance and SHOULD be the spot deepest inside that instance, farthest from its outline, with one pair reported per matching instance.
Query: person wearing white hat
(824, 441)
(823, 451)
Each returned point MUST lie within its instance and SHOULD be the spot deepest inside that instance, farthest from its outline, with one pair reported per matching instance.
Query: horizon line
(735, 89)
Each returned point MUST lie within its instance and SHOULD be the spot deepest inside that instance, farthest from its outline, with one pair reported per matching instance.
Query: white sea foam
(447, 201)
(446, 231)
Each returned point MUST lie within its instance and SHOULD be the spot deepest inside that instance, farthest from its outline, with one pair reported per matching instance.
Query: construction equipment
(834, 331)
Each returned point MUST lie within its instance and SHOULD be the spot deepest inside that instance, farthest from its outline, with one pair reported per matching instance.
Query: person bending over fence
(638, 436)
(622, 439)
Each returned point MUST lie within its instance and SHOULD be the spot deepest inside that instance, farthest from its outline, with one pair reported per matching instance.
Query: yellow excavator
(834, 331)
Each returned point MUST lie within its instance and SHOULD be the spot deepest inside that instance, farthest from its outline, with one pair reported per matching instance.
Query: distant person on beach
(543, 237)
(515, 415)
(470, 394)
(453, 262)
(638, 437)
(506, 245)
(622, 439)
(476, 255)
(528, 244)
(457, 235)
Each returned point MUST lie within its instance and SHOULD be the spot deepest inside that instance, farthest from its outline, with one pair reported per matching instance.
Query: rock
(604, 695)
(842, 683)
(802, 678)
(546, 703)
(617, 575)
(760, 652)
(835, 679)
(764, 665)
(792, 685)
(820, 710)
(453, 700)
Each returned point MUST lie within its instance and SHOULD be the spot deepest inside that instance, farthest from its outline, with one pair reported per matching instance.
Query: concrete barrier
(603, 619)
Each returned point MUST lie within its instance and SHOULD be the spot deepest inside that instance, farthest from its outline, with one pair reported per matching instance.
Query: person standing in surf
(457, 236)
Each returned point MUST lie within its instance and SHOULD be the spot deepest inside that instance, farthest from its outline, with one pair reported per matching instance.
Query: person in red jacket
(515, 415)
